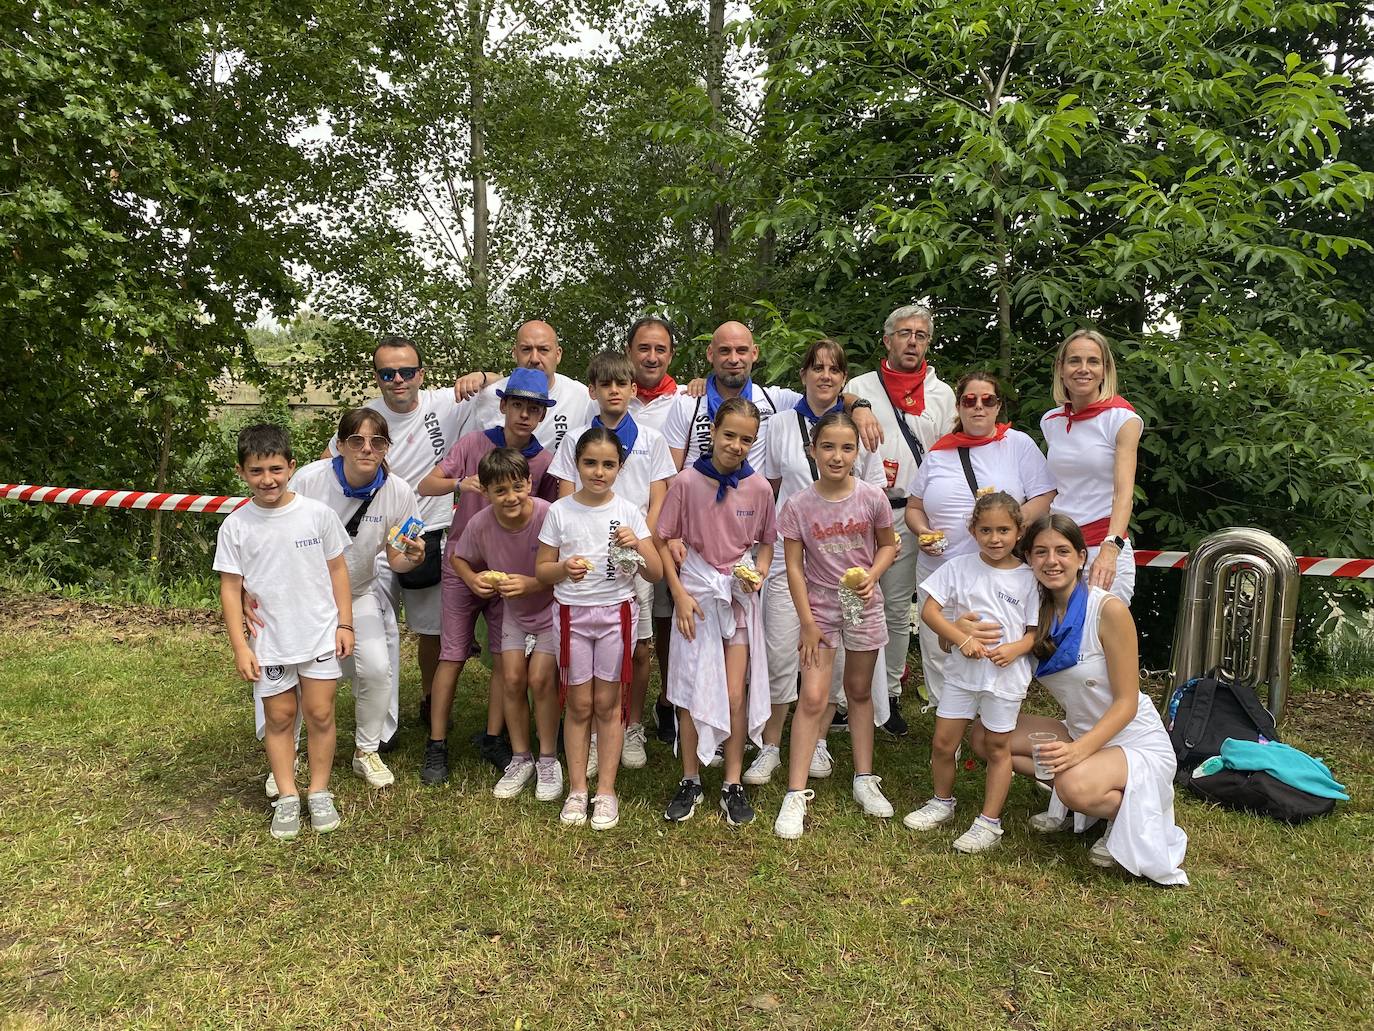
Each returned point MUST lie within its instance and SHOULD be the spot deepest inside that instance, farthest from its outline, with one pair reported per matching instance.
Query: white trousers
(898, 583)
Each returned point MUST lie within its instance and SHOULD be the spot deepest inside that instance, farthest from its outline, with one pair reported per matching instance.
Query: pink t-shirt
(461, 462)
(719, 531)
(835, 535)
(486, 544)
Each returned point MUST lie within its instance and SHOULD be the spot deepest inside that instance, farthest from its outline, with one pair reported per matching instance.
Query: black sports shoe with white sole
(735, 805)
(684, 803)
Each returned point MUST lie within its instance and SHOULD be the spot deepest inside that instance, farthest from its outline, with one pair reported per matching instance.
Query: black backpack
(1259, 792)
(1208, 710)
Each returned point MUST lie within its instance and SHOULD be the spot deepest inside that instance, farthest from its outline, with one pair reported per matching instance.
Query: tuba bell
(1238, 612)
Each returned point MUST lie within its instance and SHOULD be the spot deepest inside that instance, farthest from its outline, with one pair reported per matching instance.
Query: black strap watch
(860, 402)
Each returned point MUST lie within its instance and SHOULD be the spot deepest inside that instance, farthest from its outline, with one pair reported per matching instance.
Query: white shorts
(514, 639)
(998, 714)
(277, 680)
(644, 593)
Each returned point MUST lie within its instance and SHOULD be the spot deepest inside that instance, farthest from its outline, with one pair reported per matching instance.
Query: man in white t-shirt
(915, 408)
(649, 345)
(536, 347)
(424, 424)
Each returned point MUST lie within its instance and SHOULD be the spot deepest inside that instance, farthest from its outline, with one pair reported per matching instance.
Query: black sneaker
(839, 724)
(665, 716)
(495, 750)
(895, 725)
(735, 806)
(391, 743)
(434, 770)
(684, 803)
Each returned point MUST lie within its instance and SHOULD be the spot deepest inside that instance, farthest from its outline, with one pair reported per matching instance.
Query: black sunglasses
(406, 372)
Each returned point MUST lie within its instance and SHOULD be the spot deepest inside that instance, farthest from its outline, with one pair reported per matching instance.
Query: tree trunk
(715, 92)
(164, 459)
(477, 35)
(770, 156)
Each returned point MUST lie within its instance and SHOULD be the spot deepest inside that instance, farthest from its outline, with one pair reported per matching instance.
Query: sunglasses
(973, 400)
(406, 372)
(357, 441)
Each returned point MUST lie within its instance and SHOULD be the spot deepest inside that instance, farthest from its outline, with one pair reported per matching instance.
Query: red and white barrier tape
(1362, 568)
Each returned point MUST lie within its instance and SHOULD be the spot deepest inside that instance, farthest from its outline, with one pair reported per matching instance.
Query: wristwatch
(1120, 542)
(860, 402)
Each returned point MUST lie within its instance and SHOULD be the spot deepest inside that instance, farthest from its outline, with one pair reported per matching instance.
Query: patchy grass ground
(141, 888)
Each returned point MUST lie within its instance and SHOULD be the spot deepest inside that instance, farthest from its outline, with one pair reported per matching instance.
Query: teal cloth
(1283, 762)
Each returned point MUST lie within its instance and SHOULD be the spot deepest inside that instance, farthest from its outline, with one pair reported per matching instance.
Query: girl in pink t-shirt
(720, 510)
(838, 541)
(595, 615)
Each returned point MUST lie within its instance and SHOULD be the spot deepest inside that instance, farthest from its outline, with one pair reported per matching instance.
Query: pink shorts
(741, 634)
(869, 636)
(515, 638)
(596, 644)
(459, 619)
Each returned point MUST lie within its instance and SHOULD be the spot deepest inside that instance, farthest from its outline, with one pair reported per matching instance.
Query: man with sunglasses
(915, 408)
(536, 347)
(424, 425)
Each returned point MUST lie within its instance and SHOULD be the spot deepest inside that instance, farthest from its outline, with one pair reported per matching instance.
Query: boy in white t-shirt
(643, 481)
(288, 551)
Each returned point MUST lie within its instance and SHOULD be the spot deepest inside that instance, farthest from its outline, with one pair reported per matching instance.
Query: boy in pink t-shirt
(495, 560)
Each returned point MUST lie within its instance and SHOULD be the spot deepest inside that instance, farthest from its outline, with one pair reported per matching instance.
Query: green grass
(141, 888)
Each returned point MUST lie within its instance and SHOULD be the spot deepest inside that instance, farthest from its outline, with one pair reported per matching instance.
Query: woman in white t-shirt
(595, 617)
(981, 454)
(359, 476)
(1092, 442)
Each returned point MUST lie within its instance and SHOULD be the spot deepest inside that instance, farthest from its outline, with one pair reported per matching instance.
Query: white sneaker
(592, 764)
(1046, 823)
(632, 753)
(574, 812)
(867, 794)
(931, 815)
(274, 792)
(369, 767)
(792, 816)
(1098, 854)
(822, 765)
(519, 772)
(548, 784)
(980, 837)
(762, 768)
(718, 759)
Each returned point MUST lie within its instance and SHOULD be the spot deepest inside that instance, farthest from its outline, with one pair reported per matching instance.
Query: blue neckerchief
(713, 398)
(1067, 634)
(627, 432)
(357, 492)
(811, 417)
(497, 436)
(725, 480)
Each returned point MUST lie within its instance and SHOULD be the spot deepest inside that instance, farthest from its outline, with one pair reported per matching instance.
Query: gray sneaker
(286, 817)
(323, 816)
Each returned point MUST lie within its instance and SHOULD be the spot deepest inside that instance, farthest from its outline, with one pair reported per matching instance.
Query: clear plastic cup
(1038, 738)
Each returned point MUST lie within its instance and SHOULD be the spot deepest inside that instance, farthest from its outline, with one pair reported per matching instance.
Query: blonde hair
(1061, 396)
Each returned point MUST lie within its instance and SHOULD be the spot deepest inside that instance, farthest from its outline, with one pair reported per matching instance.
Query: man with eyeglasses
(536, 347)
(915, 408)
(424, 425)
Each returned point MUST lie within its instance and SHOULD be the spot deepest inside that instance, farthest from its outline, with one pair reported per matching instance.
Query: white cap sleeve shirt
(419, 440)
(578, 530)
(689, 423)
(283, 556)
(1013, 464)
(655, 413)
(1007, 597)
(394, 503)
(648, 463)
(1083, 461)
(573, 406)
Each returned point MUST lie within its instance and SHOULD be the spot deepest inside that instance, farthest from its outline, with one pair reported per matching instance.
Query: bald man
(536, 347)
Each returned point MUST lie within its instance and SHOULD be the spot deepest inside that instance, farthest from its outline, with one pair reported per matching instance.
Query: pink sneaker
(605, 812)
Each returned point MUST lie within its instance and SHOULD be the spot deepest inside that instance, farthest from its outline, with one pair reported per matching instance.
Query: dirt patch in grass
(26, 612)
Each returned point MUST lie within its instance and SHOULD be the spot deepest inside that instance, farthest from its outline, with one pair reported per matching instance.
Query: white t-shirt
(655, 413)
(689, 423)
(283, 556)
(576, 530)
(1008, 597)
(1083, 461)
(647, 464)
(419, 439)
(394, 504)
(785, 460)
(573, 407)
(1013, 464)
(899, 465)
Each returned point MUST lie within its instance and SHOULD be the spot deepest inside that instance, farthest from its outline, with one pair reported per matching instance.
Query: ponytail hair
(1043, 647)
(992, 501)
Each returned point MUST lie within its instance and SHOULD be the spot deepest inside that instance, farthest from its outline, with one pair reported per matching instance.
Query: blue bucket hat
(529, 384)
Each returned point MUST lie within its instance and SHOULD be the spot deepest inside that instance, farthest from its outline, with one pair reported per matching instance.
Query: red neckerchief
(667, 385)
(906, 390)
(953, 440)
(1092, 411)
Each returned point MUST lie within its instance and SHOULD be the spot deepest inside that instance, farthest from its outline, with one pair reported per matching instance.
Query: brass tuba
(1238, 612)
